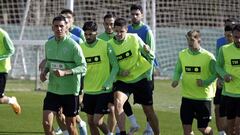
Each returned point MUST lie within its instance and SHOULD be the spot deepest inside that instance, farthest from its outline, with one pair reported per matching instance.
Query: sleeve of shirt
(80, 61)
(149, 55)
(82, 36)
(213, 76)
(114, 67)
(220, 63)
(8, 44)
(177, 71)
(150, 40)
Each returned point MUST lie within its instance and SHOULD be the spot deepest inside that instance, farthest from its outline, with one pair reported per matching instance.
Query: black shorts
(218, 96)
(199, 109)
(3, 80)
(141, 90)
(81, 85)
(96, 104)
(69, 103)
(232, 107)
(222, 106)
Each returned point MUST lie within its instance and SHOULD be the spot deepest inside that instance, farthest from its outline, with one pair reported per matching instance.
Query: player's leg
(81, 124)
(220, 120)
(231, 110)
(187, 116)
(50, 107)
(70, 105)
(92, 126)
(88, 106)
(47, 122)
(143, 95)
(121, 93)
(102, 108)
(148, 129)
(62, 129)
(203, 115)
(99, 122)
(8, 100)
(131, 117)
(111, 121)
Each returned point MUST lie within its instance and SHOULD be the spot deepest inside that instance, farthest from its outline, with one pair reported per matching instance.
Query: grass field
(166, 103)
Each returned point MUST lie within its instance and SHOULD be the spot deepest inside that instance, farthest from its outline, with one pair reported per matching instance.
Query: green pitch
(166, 103)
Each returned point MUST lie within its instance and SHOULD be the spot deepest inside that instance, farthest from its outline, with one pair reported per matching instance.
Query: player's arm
(219, 67)
(114, 67)
(8, 44)
(145, 49)
(79, 59)
(213, 75)
(150, 40)
(81, 66)
(177, 73)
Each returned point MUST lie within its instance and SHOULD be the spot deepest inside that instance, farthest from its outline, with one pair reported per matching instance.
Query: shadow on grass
(20, 133)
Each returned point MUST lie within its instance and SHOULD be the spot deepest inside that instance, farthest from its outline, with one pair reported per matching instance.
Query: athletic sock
(65, 132)
(133, 120)
(11, 100)
(222, 133)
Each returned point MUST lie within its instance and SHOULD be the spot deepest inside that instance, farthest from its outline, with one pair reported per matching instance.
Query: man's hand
(59, 73)
(228, 78)
(174, 84)
(42, 65)
(43, 77)
(146, 48)
(124, 73)
(199, 82)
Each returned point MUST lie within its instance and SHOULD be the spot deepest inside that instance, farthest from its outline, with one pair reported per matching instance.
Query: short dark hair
(109, 15)
(232, 21)
(67, 11)
(136, 7)
(236, 28)
(59, 18)
(189, 33)
(120, 22)
(228, 28)
(90, 25)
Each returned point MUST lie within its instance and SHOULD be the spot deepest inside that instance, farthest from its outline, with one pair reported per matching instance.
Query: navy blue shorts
(69, 104)
(141, 90)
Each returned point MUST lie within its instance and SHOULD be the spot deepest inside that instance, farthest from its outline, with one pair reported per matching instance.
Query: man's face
(108, 25)
(120, 32)
(59, 28)
(236, 38)
(70, 18)
(90, 36)
(194, 41)
(136, 16)
(229, 36)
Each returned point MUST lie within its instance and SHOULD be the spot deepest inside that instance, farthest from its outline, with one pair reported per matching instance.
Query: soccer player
(197, 68)
(65, 64)
(102, 68)
(145, 33)
(73, 28)
(220, 114)
(228, 68)
(108, 21)
(6, 51)
(131, 53)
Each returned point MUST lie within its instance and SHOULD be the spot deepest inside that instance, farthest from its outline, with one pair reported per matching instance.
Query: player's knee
(206, 131)
(46, 125)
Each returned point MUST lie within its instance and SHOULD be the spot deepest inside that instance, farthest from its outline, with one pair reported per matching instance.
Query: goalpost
(168, 19)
